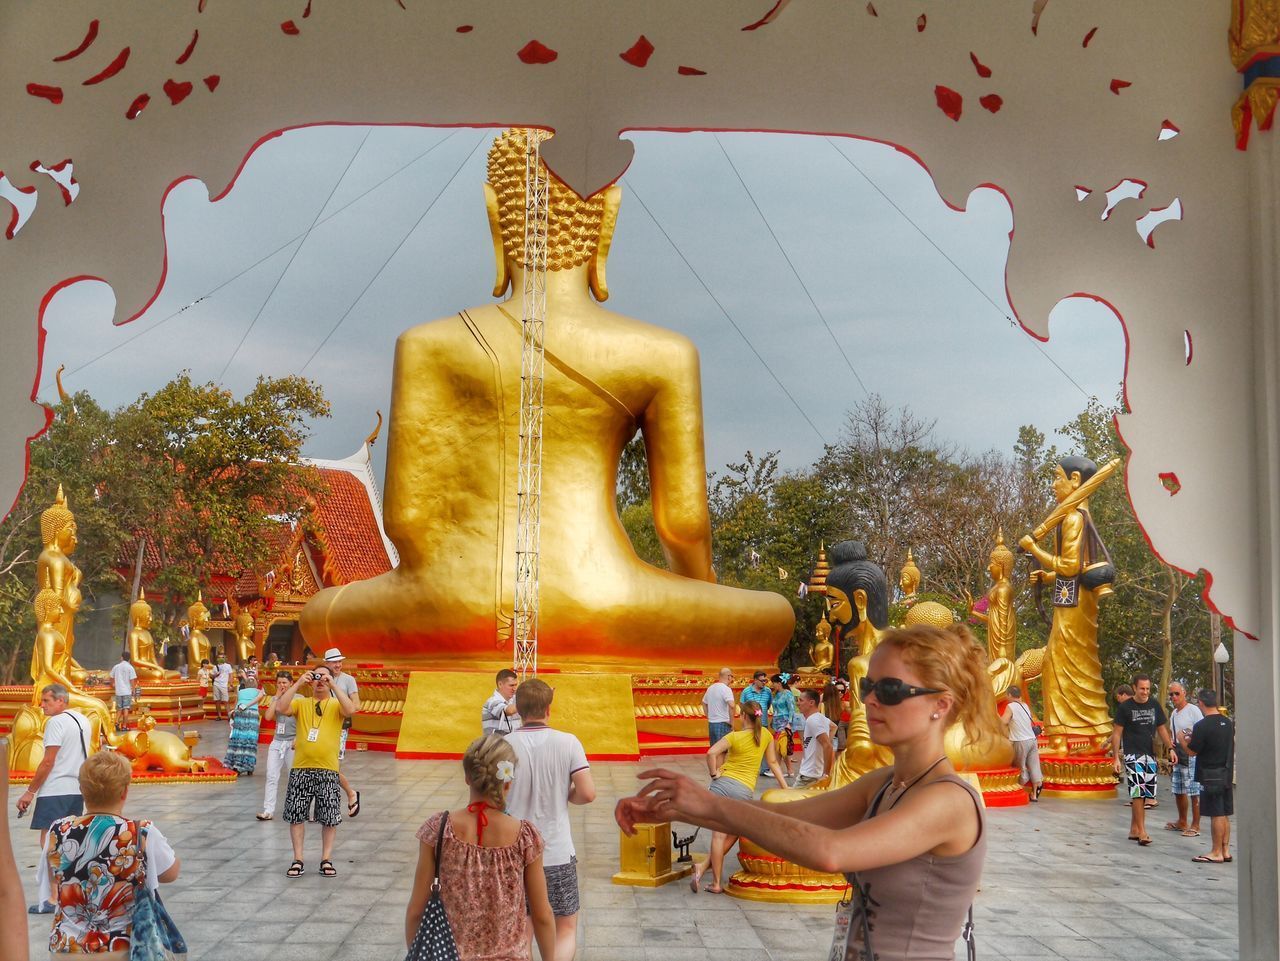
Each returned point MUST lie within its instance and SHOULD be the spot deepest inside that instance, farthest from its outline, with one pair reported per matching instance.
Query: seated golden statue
(198, 646)
(821, 651)
(909, 579)
(152, 750)
(142, 646)
(451, 477)
(245, 648)
(55, 568)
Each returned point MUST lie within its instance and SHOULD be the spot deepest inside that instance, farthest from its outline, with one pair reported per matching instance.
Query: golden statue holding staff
(451, 476)
(142, 646)
(55, 569)
(1080, 572)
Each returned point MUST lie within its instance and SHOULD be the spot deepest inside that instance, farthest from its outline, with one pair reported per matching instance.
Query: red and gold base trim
(214, 773)
(1000, 788)
(1078, 777)
(767, 877)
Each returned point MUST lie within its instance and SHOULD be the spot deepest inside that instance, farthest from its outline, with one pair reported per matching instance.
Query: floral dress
(483, 891)
(93, 867)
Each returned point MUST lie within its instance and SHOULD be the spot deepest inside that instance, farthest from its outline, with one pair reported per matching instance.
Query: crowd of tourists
(500, 873)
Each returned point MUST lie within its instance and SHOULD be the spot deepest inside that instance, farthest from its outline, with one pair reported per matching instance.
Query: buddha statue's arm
(1067, 562)
(672, 428)
(46, 653)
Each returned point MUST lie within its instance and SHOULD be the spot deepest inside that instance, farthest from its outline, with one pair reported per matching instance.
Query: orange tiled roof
(349, 536)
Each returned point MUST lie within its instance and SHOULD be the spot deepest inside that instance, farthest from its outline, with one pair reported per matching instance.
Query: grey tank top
(915, 910)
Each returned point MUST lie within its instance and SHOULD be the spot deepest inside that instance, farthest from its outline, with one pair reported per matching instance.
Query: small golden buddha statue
(909, 579)
(55, 568)
(1080, 572)
(142, 646)
(198, 646)
(1000, 617)
(152, 750)
(821, 651)
(245, 647)
(452, 454)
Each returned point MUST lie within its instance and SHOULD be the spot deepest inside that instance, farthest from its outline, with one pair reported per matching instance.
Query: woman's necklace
(897, 788)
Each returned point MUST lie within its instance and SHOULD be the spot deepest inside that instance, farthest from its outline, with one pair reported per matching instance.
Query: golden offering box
(646, 857)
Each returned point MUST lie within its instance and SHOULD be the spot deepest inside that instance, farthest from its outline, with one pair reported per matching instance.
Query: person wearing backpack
(1026, 750)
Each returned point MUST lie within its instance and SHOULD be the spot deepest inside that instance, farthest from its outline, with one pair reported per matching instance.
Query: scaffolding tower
(529, 470)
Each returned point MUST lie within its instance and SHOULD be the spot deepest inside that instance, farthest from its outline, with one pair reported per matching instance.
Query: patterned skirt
(242, 748)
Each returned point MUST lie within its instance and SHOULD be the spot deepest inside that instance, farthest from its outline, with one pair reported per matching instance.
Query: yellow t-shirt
(742, 763)
(326, 720)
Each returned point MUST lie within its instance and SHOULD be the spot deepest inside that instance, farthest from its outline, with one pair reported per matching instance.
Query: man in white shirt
(819, 752)
(551, 773)
(221, 686)
(125, 679)
(1026, 749)
(342, 681)
(499, 714)
(718, 702)
(1182, 719)
(55, 786)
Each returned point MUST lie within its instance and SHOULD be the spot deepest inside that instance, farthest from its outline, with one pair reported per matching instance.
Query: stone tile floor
(1061, 880)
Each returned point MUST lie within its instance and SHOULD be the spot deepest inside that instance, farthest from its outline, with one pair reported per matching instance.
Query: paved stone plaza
(1061, 880)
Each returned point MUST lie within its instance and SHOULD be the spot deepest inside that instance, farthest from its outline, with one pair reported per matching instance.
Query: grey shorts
(124, 702)
(731, 788)
(50, 809)
(562, 888)
(221, 694)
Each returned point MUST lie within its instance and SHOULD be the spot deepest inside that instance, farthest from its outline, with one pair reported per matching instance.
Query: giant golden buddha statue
(55, 568)
(198, 646)
(1080, 572)
(142, 646)
(451, 477)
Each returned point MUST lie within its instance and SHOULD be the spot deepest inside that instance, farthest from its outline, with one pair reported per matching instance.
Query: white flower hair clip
(506, 772)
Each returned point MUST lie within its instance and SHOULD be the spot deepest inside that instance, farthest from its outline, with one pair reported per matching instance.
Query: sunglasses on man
(892, 690)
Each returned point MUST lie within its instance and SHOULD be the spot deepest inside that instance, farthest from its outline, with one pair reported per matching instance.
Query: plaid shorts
(1140, 769)
(1184, 779)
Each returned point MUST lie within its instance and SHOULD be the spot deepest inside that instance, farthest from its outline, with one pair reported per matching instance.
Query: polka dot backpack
(434, 940)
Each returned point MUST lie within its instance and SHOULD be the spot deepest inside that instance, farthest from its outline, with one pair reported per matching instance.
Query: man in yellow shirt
(314, 792)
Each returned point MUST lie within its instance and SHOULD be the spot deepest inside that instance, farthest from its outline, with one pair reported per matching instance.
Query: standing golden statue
(55, 568)
(245, 646)
(1080, 571)
(198, 646)
(1000, 616)
(451, 476)
(142, 646)
(909, 579)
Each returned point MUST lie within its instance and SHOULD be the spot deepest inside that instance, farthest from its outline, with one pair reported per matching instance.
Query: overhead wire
(261, 260)
(412, 230)
(294, 256)
(716, 300)
(972, 283)
(796, 273)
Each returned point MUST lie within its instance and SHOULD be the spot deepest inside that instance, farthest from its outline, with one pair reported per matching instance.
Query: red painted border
(457, 756)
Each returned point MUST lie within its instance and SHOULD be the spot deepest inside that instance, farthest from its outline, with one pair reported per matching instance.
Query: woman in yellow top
(734, 763)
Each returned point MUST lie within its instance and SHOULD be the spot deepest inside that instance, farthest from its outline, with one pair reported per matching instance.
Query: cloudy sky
(808, 271)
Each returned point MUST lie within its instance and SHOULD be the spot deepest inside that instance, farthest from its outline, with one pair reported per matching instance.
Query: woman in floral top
(94, 862)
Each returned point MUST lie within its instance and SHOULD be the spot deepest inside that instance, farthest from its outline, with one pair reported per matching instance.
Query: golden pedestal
(645, 857)
(767, 877)
(1081, 772)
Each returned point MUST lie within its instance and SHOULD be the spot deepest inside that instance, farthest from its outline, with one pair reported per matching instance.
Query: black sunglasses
(891, 690)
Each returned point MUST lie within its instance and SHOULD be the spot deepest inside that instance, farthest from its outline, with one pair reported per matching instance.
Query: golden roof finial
(373, 437)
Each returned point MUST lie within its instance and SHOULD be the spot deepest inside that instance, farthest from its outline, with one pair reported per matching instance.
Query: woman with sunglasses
(896, 832)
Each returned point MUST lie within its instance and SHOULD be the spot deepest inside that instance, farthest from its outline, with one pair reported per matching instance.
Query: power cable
(796, 273)
(732, 323)
(261, 260)
(972, 283)
(294, 256)
(347, 313)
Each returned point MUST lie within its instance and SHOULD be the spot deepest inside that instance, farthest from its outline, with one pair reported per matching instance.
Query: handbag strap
(435, 881)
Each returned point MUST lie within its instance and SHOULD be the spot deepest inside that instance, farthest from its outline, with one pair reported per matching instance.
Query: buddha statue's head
(140, 612)
(929, 614)
(1070, 473)
(244, 623)
(48, 607)
(857, 589)
(198, 614)
(58, 525)
(1000, 566)
(909, 579)
(578, 231)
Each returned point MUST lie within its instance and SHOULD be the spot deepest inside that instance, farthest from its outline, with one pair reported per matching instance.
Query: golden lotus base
(767, 877)
(1078, 776)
